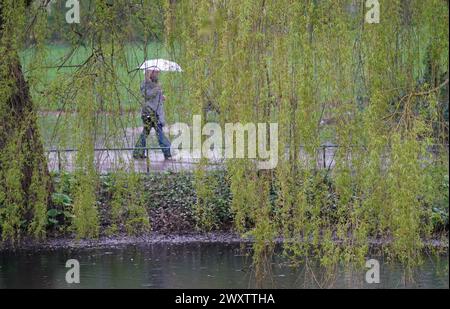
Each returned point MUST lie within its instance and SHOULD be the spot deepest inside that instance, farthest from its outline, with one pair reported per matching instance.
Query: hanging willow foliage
(315, 67)
(294, 62)
(82, 89)
(24, 180)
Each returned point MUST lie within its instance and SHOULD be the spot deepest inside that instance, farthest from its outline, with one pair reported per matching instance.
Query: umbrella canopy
(160, 65)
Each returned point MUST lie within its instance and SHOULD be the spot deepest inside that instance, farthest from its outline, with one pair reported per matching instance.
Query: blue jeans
(150, 121)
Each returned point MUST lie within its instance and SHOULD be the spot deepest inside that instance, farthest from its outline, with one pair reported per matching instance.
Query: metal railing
(324, 157)
(147, 153)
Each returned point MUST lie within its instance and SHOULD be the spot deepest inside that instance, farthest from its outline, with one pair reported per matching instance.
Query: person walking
(152, 115)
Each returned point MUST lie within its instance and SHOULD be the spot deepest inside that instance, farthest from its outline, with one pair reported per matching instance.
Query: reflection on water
(195, 265)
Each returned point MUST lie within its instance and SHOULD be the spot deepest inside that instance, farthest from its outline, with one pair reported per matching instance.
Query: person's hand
(163, 97)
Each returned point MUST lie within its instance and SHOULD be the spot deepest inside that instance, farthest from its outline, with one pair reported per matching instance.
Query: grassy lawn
(59, 65)
(125, 101)
(60, 130)
(120, 110)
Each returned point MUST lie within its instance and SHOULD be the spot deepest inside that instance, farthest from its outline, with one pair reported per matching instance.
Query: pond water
(195, 265)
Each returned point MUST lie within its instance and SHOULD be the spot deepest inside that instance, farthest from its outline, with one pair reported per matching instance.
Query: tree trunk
(24, 175)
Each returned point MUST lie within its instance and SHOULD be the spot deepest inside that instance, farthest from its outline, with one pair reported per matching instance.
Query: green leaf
(53, 212)
(61, 199)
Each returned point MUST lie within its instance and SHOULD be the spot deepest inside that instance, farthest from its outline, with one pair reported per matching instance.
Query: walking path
(108, 159)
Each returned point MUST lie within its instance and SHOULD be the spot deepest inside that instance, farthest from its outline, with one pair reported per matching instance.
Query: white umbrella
(160, 65)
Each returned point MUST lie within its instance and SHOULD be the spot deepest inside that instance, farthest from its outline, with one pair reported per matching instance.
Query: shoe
(137, 157)
(168, 159)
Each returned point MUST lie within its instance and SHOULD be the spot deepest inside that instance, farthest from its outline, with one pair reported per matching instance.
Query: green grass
(59, 130)
(120, 110)
(126, 97)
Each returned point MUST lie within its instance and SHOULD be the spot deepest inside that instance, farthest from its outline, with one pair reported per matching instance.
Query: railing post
(147, 160)
(59, 161)
(324, 157)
